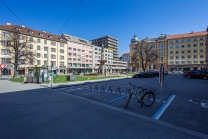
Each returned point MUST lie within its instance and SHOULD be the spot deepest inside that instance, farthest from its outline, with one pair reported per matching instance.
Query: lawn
(62, 78)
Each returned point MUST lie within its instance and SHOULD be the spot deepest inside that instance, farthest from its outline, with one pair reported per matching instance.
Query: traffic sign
(2, 66)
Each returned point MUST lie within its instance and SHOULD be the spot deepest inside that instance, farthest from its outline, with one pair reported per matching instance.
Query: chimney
(23, 26)
(8, 23)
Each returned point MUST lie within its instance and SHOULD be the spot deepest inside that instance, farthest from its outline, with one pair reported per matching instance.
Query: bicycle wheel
(128, 99)
(148, 99)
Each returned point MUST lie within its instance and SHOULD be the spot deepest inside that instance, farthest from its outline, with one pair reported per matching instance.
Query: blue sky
(120, 19)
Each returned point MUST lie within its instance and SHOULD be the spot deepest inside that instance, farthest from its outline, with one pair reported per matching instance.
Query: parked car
(154, 73)
(176, 71)
(166, 72)
(143, 74)
(196, 74)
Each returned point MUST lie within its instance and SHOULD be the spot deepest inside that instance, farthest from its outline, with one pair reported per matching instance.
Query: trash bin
(71, 78)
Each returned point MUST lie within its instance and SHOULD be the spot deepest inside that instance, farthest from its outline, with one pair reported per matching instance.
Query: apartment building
(80, 56)
(159, 43)
(111, 43)
(108, 42)
(108, 56)
(49, 48)
(126, 57)
(187, 51)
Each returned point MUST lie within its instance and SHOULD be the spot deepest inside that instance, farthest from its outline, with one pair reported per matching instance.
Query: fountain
(102, 68)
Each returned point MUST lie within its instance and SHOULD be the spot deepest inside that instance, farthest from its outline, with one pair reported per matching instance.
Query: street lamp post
(51, 73)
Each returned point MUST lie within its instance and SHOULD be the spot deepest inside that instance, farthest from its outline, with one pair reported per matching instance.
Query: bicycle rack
(102, 88)
(118, 89)
(90, 87)
(96, 87)
(126, 90)
(109, 88)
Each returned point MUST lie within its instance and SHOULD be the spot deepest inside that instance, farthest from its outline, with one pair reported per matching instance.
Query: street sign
(2, 66)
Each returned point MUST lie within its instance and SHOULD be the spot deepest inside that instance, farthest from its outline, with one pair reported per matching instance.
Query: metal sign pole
(161, 80)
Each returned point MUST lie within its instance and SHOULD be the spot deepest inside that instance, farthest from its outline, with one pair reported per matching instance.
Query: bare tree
(18, 46)
(144, 55)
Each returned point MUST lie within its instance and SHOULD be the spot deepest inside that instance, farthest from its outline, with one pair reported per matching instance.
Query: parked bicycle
(146, 97)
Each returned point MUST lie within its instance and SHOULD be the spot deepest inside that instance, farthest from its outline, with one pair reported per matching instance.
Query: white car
(177, 71)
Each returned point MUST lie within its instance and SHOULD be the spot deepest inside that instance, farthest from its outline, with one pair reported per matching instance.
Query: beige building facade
(49, 48)
(159, 44)
(187, 51)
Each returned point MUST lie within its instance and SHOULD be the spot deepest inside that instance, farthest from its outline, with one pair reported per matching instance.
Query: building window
(38, 40)
(188, 45)
(45, 48)
(194, 39)
(61, 45)
(201, 62)
(74, 59)
(31, 39)
(177, 46)
(162, 45)
(79, 50)
(53, 43)
(176, 41)
(188, 56)
(45, 63)
(74, 49)
(53, 56)
(61, 57)
(45, 41)
(201, 38)
(171, 52)
(161, 51)
(182, 57)
(182, 40)
(70, 48)
(53, 49)
(62, 64)
(182, 51)
(61, 50)
(69, 54)
(195, 62)
(171, 41)
(38, 62)
(201, 44)
(195, 50)
(188, 62)
(177, 62)
(171, 63)
(201, 50)
(171, 57)
(69, 58)
(6, 60)
(177, 57)
(38, 47)
(31, 46)
(182, 46)
(161, 59)
(182, 62)
(45, 55)
(177, 52)
(195, 56)
(83, 50)
(195, 45)
(188, 40)
(188, 51)
(5, 52)
(38, 55)
(201, 56)
(74, 54)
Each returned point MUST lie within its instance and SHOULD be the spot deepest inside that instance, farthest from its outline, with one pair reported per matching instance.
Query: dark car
(143, 74)
(154, 73)
(196, 74)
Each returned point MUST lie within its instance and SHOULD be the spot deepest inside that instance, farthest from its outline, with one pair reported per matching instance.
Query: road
(34, 111)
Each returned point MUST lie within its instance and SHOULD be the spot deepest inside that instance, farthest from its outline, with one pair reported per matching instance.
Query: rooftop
(185, 35)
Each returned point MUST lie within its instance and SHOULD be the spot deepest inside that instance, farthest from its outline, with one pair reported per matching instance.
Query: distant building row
(182, 51)
(69, 54)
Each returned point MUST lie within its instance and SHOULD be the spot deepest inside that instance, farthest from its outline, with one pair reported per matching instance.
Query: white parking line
(159, 113)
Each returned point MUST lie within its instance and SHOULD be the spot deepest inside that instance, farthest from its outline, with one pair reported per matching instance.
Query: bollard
(109, 88)
(96, 87)
(90, 87)
(102, 88)
(118, 89)
(126, 90)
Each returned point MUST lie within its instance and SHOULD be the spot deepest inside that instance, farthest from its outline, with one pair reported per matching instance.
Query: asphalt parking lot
(185, 101)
